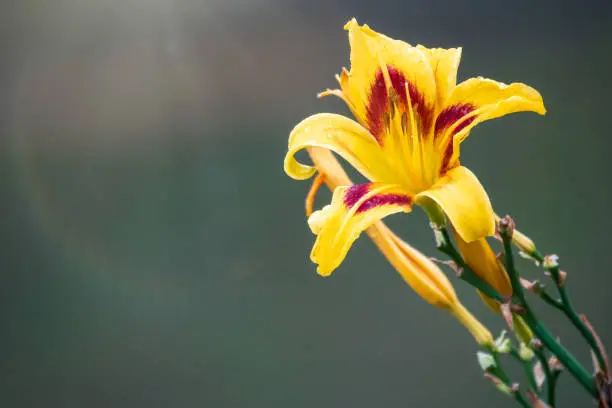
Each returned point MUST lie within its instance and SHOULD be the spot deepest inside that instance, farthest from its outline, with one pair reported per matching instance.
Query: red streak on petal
(377, 106)
(355, 193)
(451, 115)
(379, 100)
(384, 199)
(446, 119)
(448, 153)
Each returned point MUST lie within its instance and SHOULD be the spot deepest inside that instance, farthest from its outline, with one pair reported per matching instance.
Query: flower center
(401, 121)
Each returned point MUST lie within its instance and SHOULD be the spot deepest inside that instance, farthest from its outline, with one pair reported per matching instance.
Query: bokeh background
(153, 253)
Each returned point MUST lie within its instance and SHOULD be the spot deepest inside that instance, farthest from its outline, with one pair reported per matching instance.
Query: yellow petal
(379, 63)
(353, 209)
(474, 101)
(341, 135)
(416, 269)
(482, 260)
(444, 63)
(482, 92)
(464, 201)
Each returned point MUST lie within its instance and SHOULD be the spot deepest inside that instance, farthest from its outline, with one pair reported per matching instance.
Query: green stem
(537, 256)
(550, 384)
(567, 308)
(540, 291)
(566, 358)
(501, 374)
(528, 368)
(574, 317)
(553, 380)
(521, 400)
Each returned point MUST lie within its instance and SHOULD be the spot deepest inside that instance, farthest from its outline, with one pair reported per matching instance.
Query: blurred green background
(154, 254)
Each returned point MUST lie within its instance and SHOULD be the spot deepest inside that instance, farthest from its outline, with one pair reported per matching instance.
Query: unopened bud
(481, 334)
(535, 344)
(532, 286)
(525, 353)
(522, 331)
(502, 343)
(485, 361)
(554, 364)
(551, 261)
(505, 226)
(523, 243)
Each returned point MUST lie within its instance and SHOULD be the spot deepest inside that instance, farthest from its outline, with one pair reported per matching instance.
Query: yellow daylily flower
(411, 118)
(417, 270)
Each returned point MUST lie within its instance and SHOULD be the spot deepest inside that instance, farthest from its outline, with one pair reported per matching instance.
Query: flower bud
(485, 361)
(502, 343)
(521, 241)
(550, 261)
(522, 331)
(525, 352)
(480, 333)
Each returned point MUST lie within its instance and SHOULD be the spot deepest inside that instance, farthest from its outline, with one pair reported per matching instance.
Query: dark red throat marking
(378, 102)
(356, 192)
(446, 119)
(451, 115)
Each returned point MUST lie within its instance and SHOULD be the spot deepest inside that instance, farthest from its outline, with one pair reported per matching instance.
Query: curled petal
(482, 92)
(341, 135)
(474, 101)
(353, 209)
(465, 202)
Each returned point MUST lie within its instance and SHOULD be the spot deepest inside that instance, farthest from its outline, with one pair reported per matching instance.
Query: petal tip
(324, 272)
(351, 24)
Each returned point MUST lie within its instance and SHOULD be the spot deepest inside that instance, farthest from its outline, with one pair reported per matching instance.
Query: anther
(404, 122)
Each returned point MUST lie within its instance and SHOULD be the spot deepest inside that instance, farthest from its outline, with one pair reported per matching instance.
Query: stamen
(312, 193)
(385, 72)
(417, 148)
(404, 122)
(387, 121)
(393, 99)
